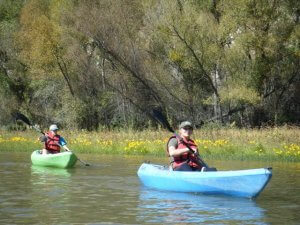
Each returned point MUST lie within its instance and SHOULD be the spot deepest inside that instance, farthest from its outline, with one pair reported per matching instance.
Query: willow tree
(187, 37)
(112, 34)
(263, 55)
(40, 40)
(238, 56)
(13, 79)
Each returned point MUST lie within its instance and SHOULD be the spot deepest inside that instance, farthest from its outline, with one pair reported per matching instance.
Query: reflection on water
(49, 171)
(49, 183)
(172, 207)
(50, 192)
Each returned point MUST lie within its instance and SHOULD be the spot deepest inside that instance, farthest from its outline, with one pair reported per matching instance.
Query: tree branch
(198, 61)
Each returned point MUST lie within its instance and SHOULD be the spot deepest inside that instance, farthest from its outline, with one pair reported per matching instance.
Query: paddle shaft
(84, 163)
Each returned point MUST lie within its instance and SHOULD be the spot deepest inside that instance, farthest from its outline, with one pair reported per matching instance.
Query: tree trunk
(216, 98)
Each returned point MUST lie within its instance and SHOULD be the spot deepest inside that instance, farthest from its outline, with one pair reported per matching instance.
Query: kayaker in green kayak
(53, 141)
(181, 158)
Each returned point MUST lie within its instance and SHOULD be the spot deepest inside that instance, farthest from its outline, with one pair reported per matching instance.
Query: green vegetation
(281, 144)
(105, 64)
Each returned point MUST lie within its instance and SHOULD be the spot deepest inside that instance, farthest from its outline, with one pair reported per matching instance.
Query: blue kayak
(240, 183)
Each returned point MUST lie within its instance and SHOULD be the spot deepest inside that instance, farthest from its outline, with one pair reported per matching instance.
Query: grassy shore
(280, 144)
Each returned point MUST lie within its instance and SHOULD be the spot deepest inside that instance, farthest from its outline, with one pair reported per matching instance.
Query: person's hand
(183, 151)
(42, 138)
(181, 140)
(194, 153)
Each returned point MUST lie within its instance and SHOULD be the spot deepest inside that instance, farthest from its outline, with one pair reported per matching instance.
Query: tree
(13, 80)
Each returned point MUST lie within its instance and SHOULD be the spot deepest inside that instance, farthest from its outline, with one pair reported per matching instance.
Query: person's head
(53, 128)
(186, 129)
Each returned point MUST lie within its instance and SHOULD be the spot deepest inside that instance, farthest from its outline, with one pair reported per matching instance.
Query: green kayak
(59, 160)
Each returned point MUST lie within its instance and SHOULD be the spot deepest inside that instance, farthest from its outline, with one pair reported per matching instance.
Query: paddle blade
(20, 116)
(157, 114)
(84, 163)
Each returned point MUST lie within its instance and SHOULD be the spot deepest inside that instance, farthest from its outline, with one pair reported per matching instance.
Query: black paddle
(20, 116)
(162, 120)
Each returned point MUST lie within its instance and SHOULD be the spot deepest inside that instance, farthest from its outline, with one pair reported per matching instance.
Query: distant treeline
(93, 64)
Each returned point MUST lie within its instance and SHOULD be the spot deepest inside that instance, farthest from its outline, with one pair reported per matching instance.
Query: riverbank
(278, 144)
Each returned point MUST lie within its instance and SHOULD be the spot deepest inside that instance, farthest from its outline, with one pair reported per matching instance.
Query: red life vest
(52, 143)
(188, 157)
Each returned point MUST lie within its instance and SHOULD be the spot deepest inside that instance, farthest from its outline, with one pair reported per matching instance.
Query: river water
(109, 192)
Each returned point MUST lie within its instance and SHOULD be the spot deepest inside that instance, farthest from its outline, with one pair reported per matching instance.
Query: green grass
(273, 144)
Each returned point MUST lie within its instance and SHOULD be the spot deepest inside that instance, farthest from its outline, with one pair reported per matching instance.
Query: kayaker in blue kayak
(181, 158)
(53, 141)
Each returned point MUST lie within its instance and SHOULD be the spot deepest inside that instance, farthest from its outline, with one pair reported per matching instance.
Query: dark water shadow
(186, 208)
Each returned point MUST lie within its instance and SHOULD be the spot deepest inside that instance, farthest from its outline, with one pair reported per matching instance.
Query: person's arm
(63, 143)
(178, 152)
(172, 147)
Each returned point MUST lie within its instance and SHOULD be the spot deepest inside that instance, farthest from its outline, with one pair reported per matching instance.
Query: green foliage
(10, 9)
(106, 64)
(39, 36)
(239, 94)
